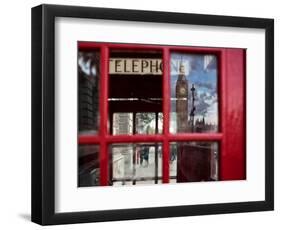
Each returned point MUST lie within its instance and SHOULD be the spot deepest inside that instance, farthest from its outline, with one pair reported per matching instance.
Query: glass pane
(136, 163)
(194, 96)
(122, 123)
(135, 88)
(88, 91)
(88, 165)
(149, 123)
(194, 161)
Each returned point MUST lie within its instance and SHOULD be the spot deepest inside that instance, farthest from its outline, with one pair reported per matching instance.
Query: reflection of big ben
(182, 100)
(182, 123)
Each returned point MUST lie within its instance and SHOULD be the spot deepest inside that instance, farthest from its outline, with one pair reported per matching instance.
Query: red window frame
(232, 111)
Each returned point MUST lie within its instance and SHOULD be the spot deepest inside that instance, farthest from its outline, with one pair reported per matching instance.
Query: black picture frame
(43, 114)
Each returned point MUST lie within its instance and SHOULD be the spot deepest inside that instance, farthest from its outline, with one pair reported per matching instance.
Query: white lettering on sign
(135, 66)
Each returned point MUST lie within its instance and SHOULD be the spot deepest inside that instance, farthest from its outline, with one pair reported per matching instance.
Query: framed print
(142, 114)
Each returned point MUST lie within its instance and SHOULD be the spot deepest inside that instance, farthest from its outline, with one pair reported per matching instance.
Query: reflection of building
(86, 101)
(182, 101)
(88, 79)
(122, 123)
(201, 126)
(122, 162)
(88, 91)
(89, 172)
(209, 62)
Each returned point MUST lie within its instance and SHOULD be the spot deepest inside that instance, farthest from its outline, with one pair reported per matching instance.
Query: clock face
(182, 91)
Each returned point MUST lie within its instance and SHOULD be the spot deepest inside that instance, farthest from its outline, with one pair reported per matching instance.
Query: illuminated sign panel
(135, 66)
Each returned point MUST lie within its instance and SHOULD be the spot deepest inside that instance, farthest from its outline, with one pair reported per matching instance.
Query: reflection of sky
(200, 70)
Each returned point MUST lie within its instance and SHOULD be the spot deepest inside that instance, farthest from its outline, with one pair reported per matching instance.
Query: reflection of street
(140, 167)
(173, 169)
(147, 169)
(139, 163)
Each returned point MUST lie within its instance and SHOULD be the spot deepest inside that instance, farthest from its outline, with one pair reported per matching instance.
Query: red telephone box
(160, 114)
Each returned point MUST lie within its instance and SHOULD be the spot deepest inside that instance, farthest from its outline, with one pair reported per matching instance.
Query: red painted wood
(91, 45)
(222, 108)
(233, 151)
(104, 115)
(166, 115)
(88, 45)
(190, 49)
(220, 89)
(196, 50)
(91, 139)
(195, 137)
(88, 139)
(134, 138)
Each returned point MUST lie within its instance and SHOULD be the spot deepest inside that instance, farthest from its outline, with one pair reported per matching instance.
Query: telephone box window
(135, 91)
(194, 97)
(149, 123)
(88, 91)
(193, 161)
(136, 163)
(88, 162)
(122, 123)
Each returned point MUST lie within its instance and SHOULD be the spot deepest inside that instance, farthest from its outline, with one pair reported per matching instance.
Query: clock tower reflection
(182, 101)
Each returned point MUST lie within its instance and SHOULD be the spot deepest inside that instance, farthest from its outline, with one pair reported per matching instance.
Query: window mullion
(104, 115)
(196, 137)
(166, 116)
